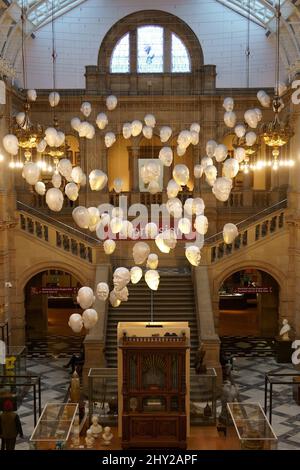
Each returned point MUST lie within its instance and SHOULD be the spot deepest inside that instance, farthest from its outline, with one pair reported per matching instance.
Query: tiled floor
(248, 374)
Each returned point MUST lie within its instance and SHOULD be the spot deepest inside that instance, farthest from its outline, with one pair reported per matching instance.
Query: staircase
(174, 301)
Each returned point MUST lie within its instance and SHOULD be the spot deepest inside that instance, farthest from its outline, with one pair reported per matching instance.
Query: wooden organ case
(154, 391)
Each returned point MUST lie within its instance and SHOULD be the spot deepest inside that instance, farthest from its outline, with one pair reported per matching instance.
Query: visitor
(76, 359)
(10, 426)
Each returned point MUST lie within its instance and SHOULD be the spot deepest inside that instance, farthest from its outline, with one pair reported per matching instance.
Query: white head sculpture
(230, 167)
(81, 216)
(184, 225)
(147, 132)
(90, 318)
(206, 161)
(71, 191)
(86, 108)
(11, 144)
(221, 188)
(85, 297)
(109, 246)
(150, 120)
(140, 252)
(152, 279)
(251, 118)
(211, 147)
(165, 133)
(228, 104)
(152, 261)
(166, 156)
(97, 180)
(31, 95)
(111, 102)
(56, 179)
(102, 291)
(198, 171)
(193, 255)
(250, 138)
(40, 188)
(77, 174)
(173, 188)
(126, 130)
(240, 130)
(169, 238)
(31, 173)
(101, 120)
(174, 207)
(181, 174)
(136, 127)
(160, 243)
(54, 199)
(230, 232)
(121, 278)
(239, 154)
(230, 118)
(201, 224)
(75, 322)
(136, 274)
(151, 230)
(109, 139)
(195, 127)
(75, 123)
(221, 152)
(54, 98)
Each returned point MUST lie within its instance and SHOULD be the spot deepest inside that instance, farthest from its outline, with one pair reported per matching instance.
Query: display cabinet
(103, 395)
(154, 391)
(15, 361)
(54, 427)
(253, 430)
(203, 410)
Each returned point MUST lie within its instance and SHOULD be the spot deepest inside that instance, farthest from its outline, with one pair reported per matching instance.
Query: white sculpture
(31, 173)
(41, 146)
(206, 161)
(230, 167)
(154, 187)
(220, 152)
(85, 297)
(173, 188)
(184, 225)
(54, 98)
(75, 123)
(284, 331)
(228, 104)
(81, 216)
(210, 148)
(250, 138)
(201, 224)
(75, 322)
(193, 255)
(89, 440)
(230, 118)
(152, 261)
(147, 132)
(77, 174)
(174, 207)
(75, 437)
(65, 167)
(109, 246)
(194, 137)
(160, 243)
(107, 436)
(54, 199)
(188, 206)
(109, 139)
(91, 132)
(198, 171)
(150, 171)
(102, 291)
(121, 278)
(31, 95)
(95, 427)
(263, 98)
(150, 120)
(230, 232)
(71, 191)
(152, 279)
(181, 174)
(251, 118)
(169, 237)
(198, 206)
(166, 156)
(165, 133)
(221, 188)
(40, 188)
(116, 224)
(86, 108)
(136, 127)
(111, 102)
(136, 274)
(184, 138)
(180, 150)
(195, 127)
(89, 318)
(101, 121)
(239, 154)
(97, 180)
(240, 130)
(11, 144)
(126, 130)
(140, 252)
(211, 173)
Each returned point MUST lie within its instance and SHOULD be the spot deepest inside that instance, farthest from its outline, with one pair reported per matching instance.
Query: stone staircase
(173, 301)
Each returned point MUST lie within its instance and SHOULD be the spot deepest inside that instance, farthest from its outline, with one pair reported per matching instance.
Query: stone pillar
(134, 152)
(94, 342)
(206, 327)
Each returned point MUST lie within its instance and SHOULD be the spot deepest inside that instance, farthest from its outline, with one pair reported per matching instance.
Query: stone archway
(248, 303)
(49, 300)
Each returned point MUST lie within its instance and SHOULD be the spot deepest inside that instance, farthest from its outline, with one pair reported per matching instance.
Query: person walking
(10, 426)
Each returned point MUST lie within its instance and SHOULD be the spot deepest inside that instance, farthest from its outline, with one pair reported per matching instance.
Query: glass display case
(203, 408)
(103, 395)
(54, 427)
(15, 361)
(252, 427)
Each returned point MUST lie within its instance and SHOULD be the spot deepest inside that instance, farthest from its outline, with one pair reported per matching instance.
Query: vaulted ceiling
(40, 12)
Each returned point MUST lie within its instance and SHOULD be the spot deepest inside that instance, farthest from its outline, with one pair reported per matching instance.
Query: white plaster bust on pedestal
(95, 427)
(284, 332)
(107, 435)
(89, 440)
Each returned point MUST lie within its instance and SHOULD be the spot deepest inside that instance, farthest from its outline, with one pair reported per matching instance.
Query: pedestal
(283, 350)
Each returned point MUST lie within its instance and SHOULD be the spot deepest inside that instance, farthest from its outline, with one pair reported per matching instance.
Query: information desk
(54, 428)
(252, 427)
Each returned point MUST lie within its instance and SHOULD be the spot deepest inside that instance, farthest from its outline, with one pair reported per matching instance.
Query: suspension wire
(247, 51)
(23, 47)
(278, 15)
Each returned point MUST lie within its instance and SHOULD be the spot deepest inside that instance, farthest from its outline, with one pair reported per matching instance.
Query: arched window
(120, 57)
(180, 56)
(151, 41)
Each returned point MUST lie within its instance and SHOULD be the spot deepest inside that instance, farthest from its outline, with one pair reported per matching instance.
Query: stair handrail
(67, 228)
(249, 220)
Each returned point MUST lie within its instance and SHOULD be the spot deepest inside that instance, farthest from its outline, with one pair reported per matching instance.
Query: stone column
(205, 317)
(94, 342)
(134, 152)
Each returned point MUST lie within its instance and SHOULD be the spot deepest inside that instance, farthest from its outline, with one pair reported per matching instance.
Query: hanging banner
(254, 290)
(70, 291)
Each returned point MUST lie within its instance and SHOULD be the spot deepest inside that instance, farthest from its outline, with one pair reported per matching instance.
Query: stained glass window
(150, 49)
(180, 56)
(120, 57)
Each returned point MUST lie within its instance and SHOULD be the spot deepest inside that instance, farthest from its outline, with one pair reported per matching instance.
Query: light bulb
(275, 166)
(12, 165)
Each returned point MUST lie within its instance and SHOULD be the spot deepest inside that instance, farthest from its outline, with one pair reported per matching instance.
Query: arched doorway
(248, 304)
(50, 298)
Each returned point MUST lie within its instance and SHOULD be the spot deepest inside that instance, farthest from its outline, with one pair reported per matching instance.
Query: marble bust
(284, 331)
(95, 427)
(107, 435)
